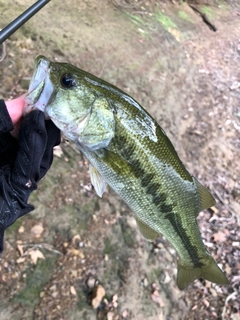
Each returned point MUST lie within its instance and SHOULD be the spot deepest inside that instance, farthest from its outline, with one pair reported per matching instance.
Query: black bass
(128, 150)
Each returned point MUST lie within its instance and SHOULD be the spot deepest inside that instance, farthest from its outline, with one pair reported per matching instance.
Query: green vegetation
(184, 16)
(136, 19)
(109, 248)
(140, 23)
(154, 274)
(128, 234)
(165, 21)
(82, 301)
(35, 280)
(207, 11)
(82, 213)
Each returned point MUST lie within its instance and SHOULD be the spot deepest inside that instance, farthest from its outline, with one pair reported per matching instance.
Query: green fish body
(128, 150)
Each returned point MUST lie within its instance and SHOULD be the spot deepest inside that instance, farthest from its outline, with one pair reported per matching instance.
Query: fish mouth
(40, 88)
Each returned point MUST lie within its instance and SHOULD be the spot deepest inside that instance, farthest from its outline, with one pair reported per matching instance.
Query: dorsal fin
(147, 232)
(206, 200)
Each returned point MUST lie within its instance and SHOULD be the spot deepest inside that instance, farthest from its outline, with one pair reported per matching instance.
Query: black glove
(22, 164)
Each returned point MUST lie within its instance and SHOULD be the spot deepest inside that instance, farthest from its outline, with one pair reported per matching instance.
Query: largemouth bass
(128, 150)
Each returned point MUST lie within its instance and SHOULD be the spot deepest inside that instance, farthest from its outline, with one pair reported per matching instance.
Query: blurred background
(81, 257)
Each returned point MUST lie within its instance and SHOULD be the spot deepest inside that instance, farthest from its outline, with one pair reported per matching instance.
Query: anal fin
(206, 200)
(147, 232)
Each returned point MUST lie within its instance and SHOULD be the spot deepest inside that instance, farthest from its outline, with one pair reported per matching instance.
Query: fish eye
(67, 81)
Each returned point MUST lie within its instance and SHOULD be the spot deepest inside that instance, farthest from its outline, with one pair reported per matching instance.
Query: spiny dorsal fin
(147, 232)
(97, 181)
(206, 200)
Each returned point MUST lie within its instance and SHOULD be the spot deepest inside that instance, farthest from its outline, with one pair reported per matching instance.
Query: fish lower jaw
(68, 132)
(78, 129)
(75, 129)
(61, 125)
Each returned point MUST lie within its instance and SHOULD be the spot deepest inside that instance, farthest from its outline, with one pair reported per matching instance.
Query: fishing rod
(20, 20)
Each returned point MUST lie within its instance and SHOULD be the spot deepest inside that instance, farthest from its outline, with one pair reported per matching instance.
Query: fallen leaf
(35, 255)
(205, 301)
(21, 259)
(53, 287)
(110, 315)
(114, 298)
(54, 294)
(20, 249)
(157, 298)
(213, 291)
(91, 282)
(37, 230)
(125, 314)
(235, 206)
(219, 236)
(77, 253)
(74, 273)
(73, 291)
(161, 315)
(167, 278)
(214, 209)
(57, 151)
(114, 301)
(76, 238)
(228, 269)
(99, 294)
(21, 229)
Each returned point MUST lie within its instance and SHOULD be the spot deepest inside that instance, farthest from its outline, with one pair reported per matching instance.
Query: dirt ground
(81, 257)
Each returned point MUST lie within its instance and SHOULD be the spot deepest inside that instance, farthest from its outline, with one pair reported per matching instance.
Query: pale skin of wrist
(15, 110)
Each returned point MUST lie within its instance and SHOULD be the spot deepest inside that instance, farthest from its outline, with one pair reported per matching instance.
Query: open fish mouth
(40, 88)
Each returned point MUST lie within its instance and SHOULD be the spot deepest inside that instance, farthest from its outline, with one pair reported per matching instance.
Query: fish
(129, 151)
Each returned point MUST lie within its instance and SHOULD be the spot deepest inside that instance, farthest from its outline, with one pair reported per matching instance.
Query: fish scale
(128, 150)
(182, 232)
(141, 204)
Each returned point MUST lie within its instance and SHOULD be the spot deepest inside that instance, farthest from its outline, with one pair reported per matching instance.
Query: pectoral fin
(146, 231)
(206, 200)
(97, 181)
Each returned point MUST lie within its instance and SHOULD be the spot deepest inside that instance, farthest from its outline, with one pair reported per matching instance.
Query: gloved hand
(22, 164)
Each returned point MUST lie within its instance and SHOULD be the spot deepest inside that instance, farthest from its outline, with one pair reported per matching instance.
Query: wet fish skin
(132, 153)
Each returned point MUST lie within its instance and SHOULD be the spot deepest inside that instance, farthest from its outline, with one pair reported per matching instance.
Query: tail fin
(209, 271)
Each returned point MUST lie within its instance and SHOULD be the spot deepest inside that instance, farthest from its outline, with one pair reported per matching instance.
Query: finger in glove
(34, 144)
(53, 139)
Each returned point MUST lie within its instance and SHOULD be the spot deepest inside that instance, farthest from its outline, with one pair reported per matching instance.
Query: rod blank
(19, 21)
